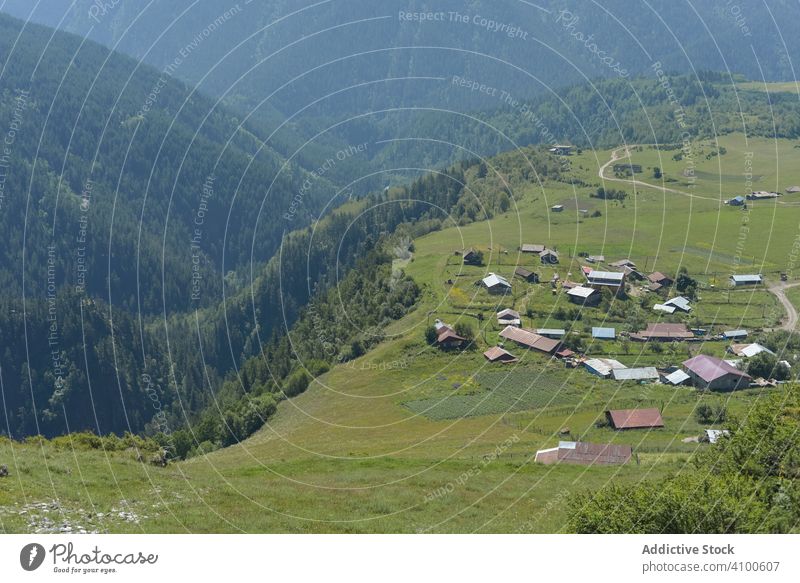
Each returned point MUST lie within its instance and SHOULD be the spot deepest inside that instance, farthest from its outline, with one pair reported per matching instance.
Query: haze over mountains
(356, 71)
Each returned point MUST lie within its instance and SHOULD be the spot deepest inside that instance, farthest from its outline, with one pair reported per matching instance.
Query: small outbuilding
(602, 367)
(498, 354)
(554, 333)
(603, 333)
(472, 257)
(639, 374)
(526, 274)
(752, 279)
(734, 334)
(509, 317)
(532, 248)
(548, 257)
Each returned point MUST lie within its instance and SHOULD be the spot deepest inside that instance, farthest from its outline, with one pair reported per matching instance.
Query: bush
(709, 415)
(465, 330)
(296, 383)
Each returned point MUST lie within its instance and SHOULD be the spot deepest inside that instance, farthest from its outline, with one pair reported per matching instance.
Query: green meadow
(408, 438)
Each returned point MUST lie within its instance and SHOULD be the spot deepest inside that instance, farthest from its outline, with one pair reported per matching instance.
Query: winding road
(623, 153)
(779, 290)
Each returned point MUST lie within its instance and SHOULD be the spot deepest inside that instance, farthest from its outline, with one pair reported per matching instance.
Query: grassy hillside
(408, 438)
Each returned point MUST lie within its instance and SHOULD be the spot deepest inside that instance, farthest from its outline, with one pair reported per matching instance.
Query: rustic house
(526, 274)
(529, 339)
(663, 332)
(583, 453)
(548, 257)
(496, 284)
(472, 257)
(509, 317)
(613, 280)
(634, 419)
(584, 296)
(710, 372)
(498, 354)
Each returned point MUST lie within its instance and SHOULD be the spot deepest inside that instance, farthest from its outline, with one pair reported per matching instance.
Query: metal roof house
(603, 333)
(583, 453)
(643, 373)
(557, 208)
(663, 308)
(679, 303)
(709, 372)
(548, 256)
(496, 284)
(748, 350)
(612, 279)
(529, 339)
(555, 333)
(583, 295)
(734, 334)
(676, 378)
(753, 279)
(635, 418)
(602, 367)
(663, 332)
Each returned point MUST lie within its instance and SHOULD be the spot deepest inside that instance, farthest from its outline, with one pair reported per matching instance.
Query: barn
(635, 419)
(584, 453)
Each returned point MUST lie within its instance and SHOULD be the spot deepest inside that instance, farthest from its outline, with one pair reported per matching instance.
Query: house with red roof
(635, 418)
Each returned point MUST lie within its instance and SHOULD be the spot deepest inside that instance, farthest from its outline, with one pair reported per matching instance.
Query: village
(600, 287)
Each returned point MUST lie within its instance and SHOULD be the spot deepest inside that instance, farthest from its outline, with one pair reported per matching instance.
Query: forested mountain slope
(119, 186)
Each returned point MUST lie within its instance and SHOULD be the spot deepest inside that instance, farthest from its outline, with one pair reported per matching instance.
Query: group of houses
(702, 371)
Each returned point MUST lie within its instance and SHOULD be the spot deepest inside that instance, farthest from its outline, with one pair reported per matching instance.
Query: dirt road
(779, 290)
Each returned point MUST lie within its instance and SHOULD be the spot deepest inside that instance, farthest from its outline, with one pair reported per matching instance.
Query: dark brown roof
(522, 272)
(658, 277)
(666, 330)
(635, 418)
